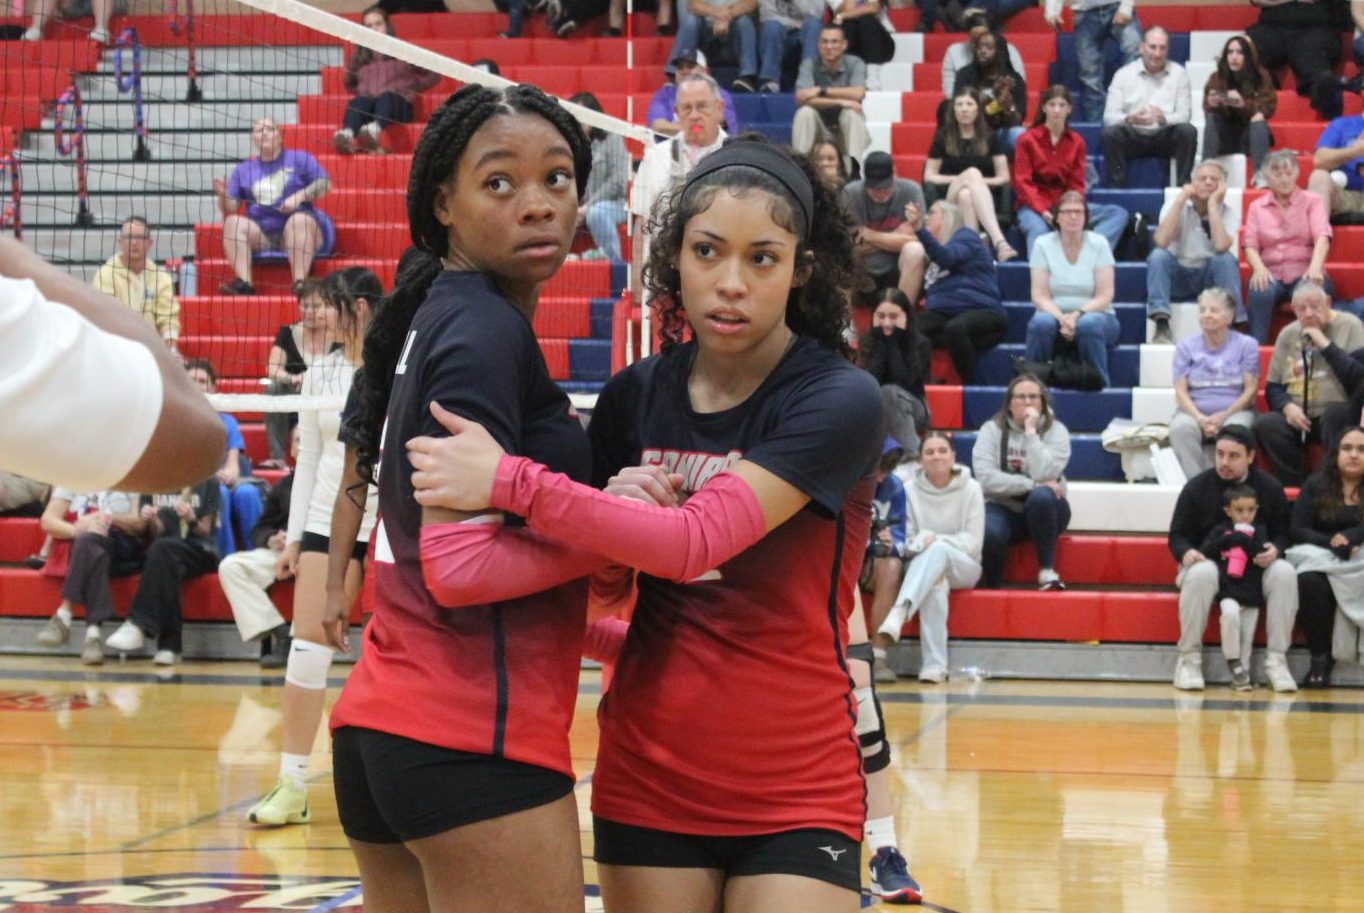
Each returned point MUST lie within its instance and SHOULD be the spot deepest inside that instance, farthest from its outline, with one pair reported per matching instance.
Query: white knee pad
(308, 665)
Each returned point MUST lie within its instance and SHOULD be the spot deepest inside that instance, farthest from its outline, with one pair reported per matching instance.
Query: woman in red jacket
(1048, 161)
(383, 88)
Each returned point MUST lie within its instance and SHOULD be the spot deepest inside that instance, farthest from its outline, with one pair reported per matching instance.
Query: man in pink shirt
(1287, 235)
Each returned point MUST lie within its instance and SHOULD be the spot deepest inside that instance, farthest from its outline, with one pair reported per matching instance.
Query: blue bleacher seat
(620, 278)
(1015, 279)
(1079, 411)
(994, 369)
(1131, 320)
(601, 314)
(1088, 459)
(589, 359)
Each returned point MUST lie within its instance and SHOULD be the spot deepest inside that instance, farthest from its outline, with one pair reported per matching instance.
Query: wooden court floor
(120, 790)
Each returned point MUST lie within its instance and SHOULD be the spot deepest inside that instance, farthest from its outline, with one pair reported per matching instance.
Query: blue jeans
(1044, 518)
(1107, 219)
(240, 509)
(1093, 29)
(1261, 305)
(603, 218)
(777, 40)
(693, 31)
(1166, 278)
(999, 10)
(1096, 333)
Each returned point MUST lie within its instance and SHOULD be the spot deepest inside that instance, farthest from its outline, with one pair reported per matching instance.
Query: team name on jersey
(170, 500)
(695, 467)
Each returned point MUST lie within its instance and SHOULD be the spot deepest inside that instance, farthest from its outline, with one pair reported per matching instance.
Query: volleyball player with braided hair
(450, 739)
(710, 792)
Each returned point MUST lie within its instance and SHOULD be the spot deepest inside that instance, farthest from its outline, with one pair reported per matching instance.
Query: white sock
(65, 615)
(293, 766)
(880, 832)
(92, 632)
(878, 654)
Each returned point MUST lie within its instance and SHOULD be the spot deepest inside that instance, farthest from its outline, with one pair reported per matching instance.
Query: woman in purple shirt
(1216, 374)
(280, 187)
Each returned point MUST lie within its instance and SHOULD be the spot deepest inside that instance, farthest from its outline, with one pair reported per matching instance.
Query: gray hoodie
(954, 514)
(1044, 459)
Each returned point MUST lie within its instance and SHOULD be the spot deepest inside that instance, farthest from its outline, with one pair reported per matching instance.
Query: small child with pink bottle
(1233, 545)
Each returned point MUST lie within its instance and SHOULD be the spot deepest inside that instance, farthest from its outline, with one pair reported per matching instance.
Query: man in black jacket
(1197, 511)
(246, 576)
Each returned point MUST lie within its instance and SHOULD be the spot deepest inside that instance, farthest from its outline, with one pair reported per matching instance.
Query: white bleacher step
(234, 60)
(1205, 46)
(909, 48)
(126, 177)
(215, 87)
(167, 115)
(1120, 507)
(99, 243)
(1156, 366)
(117, 146)
(1156, 404)
(111, 208)
(1183, 321)
(897, 77)
(880, 134)
(883, 107)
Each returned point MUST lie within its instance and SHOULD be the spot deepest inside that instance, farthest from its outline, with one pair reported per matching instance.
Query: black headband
(770, 161)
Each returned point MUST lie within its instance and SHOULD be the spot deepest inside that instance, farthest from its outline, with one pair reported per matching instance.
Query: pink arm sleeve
(478, 562)
(678, 544)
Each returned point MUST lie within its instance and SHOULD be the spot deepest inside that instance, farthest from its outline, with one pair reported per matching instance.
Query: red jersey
(499, 679)
(1042, 172)
(731, 711)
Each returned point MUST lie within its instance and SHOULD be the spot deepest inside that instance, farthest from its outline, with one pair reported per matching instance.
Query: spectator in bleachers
(134, 278)
(1002, 87)
(962, 53)
(662, 114)
(603, 208)
(877, 204)
(564, 16)
(280, 187)
(296, 346)
(20, 496)
(1305, 389)
(829, 163)
(1020, 460)
(785, 28)
(967, 165)
(952, 266)
(1192, 249)
(183, 528)
(883, 569)
(1304, 35)
(1197, 511)
(700, 110)
(1336, 165)
(1146, 114)
(42, 11)
(1097, 22)
(898, 356)
(96, 537)
(1072, 287)
(240, 500)
(384, 89)
(1238, 100)
(944, 529)
(1216, 375)
(734, 22)
(829, 91)
(1327, 517)
(867, 27)
(1286, 240)
(1240, 581)
(1050, 160)
(246, 576)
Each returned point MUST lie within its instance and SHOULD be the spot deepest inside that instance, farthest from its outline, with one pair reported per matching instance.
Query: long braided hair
(437, 157)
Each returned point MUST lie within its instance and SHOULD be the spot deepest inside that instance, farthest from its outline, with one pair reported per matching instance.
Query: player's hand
(455, 472)
(286, 565)
(649, 484)
(336, 620)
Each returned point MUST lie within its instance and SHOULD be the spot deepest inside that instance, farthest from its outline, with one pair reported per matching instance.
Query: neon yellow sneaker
(286, 804)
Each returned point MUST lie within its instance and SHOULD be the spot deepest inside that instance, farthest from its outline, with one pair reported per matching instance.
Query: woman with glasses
(1072, 287)
(1020, 461)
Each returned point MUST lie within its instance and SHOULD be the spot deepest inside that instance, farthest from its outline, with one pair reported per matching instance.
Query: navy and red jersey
(497, 679)
(731, 710)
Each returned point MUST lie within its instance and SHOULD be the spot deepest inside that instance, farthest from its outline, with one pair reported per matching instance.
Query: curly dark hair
(442, 144)
(818, 308)
(1330, 501)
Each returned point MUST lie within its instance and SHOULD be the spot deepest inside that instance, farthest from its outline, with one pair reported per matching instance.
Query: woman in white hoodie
(945, 528)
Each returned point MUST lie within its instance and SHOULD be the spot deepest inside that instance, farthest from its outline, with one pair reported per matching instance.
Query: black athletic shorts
(817, 853)
(390, 789)
(312, 542)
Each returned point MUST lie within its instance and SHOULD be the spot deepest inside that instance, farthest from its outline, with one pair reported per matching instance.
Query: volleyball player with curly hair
(450, 739)
(729, 770)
